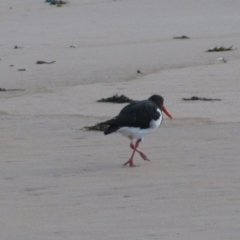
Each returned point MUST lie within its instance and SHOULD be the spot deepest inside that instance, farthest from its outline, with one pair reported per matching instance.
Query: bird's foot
(144, 156)
(130, 162)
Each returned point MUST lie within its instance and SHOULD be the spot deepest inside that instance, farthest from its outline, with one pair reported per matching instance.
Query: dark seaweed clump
(221, 49)
(58, 3)
(182, 37)
(195, 98)
(117, 99)
(44, 62)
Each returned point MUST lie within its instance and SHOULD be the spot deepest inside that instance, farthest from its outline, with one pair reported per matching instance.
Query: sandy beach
(59, 181)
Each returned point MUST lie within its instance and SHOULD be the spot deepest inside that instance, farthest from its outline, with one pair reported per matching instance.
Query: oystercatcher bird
(137, 119)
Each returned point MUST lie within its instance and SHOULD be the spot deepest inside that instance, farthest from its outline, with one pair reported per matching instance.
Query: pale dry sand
(61, 182)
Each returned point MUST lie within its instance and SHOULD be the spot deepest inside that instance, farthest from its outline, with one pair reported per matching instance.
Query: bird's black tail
(110, 129)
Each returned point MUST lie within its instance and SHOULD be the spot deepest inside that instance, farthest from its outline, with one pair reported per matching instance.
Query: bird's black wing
(141, 113)
(136, 114)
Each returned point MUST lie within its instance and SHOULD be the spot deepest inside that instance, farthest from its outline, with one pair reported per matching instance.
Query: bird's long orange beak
(167, 112)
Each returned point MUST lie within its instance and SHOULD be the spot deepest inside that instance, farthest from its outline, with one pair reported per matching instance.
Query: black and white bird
(137, 119)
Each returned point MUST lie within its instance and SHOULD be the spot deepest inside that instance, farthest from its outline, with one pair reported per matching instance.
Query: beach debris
(43, 62)
(222, 59)
(117, 99)
(22, 69)
(96, 127)
(138, 71)
(17, 47)
(58, 3)
(195, 98)
(181, 37)
(13, 89)
(221, 49)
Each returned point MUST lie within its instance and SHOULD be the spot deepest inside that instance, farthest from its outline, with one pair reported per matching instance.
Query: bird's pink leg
(142, 154)
(130, 161)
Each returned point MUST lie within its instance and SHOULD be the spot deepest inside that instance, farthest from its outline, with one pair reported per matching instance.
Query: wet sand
(61, 182)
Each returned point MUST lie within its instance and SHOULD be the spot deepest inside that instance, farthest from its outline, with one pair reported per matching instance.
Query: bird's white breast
(133, 132)
(156, 123)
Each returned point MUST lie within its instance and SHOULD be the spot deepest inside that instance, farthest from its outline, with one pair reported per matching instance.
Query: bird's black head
(157, 99)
